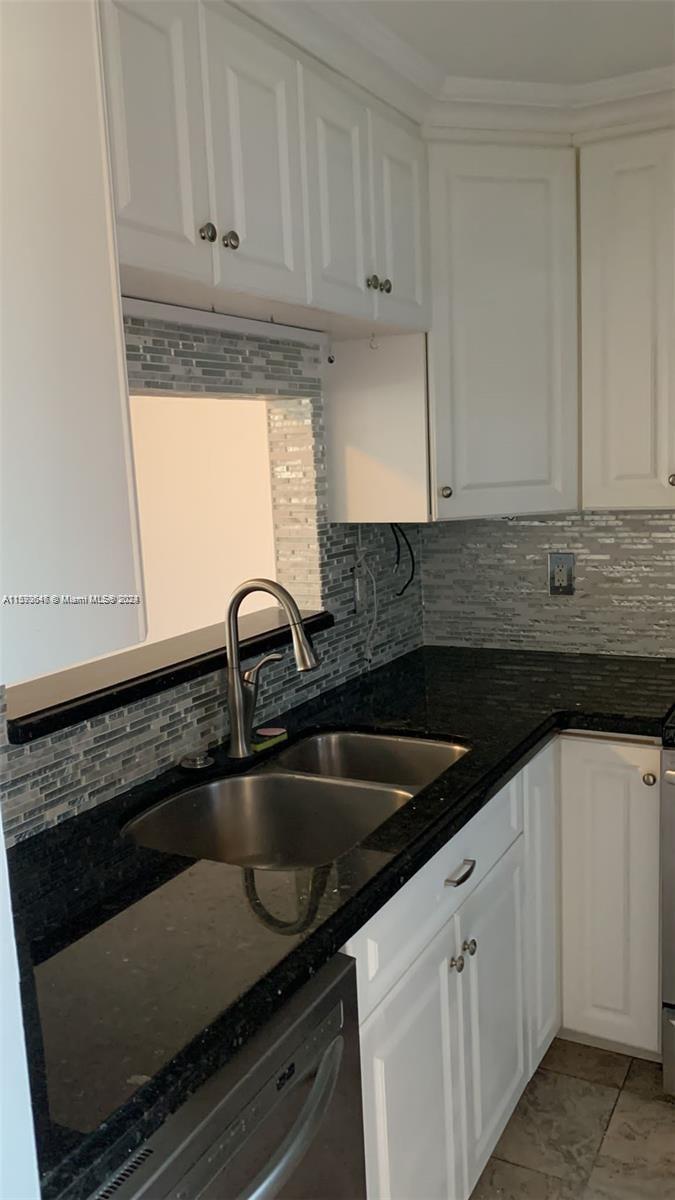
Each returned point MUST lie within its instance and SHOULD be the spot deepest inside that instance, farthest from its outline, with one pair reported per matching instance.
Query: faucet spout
(242, 688)
(305, 658)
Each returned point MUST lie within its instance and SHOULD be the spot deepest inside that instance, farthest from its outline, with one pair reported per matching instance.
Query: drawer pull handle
(462, 873)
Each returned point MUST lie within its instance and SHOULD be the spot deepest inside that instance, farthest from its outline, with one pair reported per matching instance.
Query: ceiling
(568, 42)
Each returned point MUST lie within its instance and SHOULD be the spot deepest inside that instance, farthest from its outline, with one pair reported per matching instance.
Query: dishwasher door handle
(274, 1174)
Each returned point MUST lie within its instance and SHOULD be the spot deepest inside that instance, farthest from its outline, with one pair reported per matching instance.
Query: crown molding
(658, 81)
(366, 31)
(469, 89)
(356, 45)
(645, 99)
(351, 46)
(557, 95)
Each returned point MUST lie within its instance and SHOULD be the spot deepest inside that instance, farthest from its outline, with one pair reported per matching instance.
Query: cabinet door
(493, 1005)
(254, 131)
(336, 169)
(400, 222)
(542, 907)
(157, 135)
(627, 262)
(503, 348)
(408, 1063)
(610, 890)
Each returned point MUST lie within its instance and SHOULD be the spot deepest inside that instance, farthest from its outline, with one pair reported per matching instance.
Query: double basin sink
(314, 801)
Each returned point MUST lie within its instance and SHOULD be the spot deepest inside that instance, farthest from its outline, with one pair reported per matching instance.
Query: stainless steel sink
(274, 820)
(406, 762)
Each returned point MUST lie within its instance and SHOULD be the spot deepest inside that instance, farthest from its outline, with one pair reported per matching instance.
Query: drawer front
(393, 938)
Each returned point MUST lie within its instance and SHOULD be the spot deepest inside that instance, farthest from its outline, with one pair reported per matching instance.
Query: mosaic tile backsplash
(60, 775)
(64, 773)
(479, 583)
(485, 583)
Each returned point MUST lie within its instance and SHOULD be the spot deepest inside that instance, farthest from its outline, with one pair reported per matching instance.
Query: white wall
(68, 506)
(205, 505)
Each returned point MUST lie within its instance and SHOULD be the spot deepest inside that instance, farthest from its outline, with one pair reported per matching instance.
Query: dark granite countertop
(143, 973)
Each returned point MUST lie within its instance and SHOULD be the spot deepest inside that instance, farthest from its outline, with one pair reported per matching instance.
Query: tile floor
(591, 1125)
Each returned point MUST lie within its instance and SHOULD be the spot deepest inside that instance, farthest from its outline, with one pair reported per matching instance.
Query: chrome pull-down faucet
(242, 686)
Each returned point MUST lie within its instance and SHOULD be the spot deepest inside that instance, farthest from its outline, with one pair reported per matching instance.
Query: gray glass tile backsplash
(59, 775)
(480, 583)
(485, 583)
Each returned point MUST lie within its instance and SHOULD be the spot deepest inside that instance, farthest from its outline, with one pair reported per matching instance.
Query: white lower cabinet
(491, 1009)
(460, 975)
(541, 819)
(610, 891)
(458, 980)
(409, 1059)
(443, 1056)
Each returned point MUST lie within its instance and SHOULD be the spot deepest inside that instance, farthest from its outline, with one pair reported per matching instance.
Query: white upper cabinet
(254, 136)
(610, 889)
(337, 184)
(503, 350)
(400, 207)
(157, 135)
(239, 167)
(628, 322)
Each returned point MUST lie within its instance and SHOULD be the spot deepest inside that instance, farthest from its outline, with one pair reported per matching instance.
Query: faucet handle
(251, 675)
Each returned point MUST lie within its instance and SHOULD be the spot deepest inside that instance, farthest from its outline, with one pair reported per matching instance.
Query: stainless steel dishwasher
(282, 1119)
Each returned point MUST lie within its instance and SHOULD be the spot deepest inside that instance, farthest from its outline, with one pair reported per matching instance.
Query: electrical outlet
(561, 574)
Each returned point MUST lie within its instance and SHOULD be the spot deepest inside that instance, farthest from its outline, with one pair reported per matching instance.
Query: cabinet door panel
(336, 165)
(400, 222)
(157, 135)
(408, 1060)
(254, 128)
(503, 347)
(627, 261)
(610, 888)
(542, 887)
(492, 984)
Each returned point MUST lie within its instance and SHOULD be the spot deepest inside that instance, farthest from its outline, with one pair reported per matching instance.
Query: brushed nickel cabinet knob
(470, 946)
(208, 232)
(373, 281)
(457, 964)
(385, 285)
(649, 778)
(446, 492)
(671, 480)
(231, 240)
